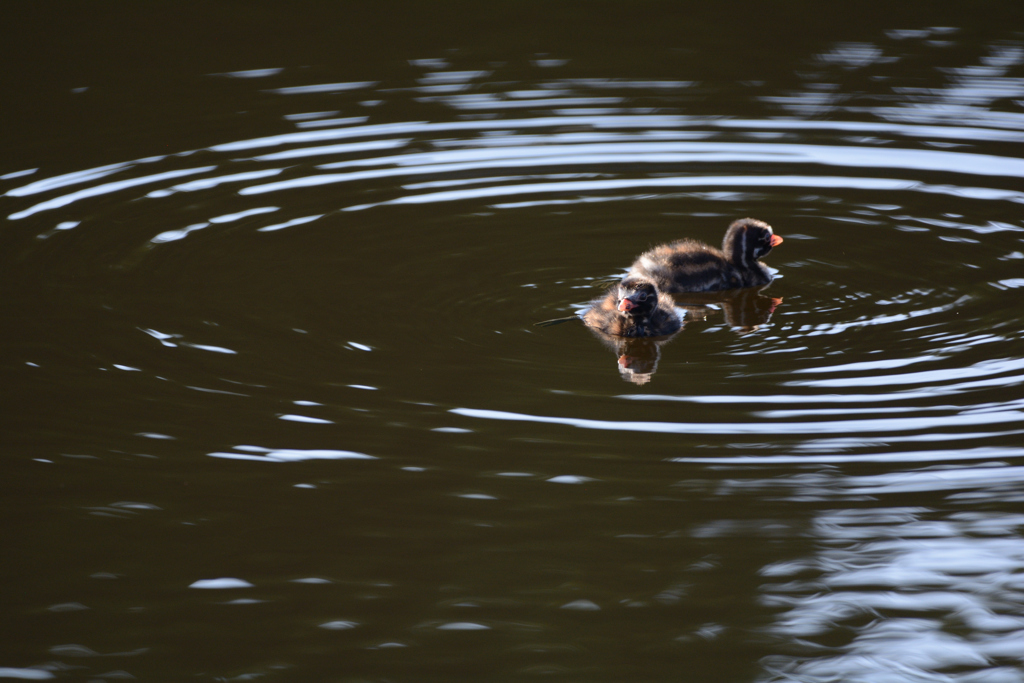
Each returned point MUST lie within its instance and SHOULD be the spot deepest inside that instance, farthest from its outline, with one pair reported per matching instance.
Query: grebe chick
(688, 265)
(633, 308)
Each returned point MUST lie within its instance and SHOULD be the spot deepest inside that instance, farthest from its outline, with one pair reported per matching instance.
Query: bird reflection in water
(637, 356)
(745, 310)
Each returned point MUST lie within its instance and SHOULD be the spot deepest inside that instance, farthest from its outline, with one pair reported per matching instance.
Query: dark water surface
(276, 406)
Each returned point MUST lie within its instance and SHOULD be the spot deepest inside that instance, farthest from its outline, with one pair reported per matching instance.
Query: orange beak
(776, 240)
(626, 305)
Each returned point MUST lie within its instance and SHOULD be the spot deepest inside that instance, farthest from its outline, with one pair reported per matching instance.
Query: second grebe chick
(633, 308)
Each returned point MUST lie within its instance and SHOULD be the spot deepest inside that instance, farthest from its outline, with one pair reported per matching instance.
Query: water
(277, 404)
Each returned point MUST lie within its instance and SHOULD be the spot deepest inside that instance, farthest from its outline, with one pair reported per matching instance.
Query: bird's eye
(641, 296)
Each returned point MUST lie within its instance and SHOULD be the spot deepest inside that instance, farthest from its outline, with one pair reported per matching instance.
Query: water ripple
(889, 426)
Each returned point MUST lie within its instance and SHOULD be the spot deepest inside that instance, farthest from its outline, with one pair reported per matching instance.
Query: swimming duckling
(691, 266)
(633, 308)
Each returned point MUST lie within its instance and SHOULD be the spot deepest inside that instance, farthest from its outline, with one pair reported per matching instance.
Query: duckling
(691, 266)
(633, 308)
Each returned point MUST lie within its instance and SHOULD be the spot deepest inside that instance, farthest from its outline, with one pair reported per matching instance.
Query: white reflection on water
(982, 453)
(107, 188)
(945, 376)
(66, 179)
(632, 152)
(18, 174)
(992, 479)
(327, 123)
(939, 480)
(25, 674)
(421, 127)
(207, 183)
(310, 115)
(260, 454)
(323, 88)
(817, 182)
(175, 235)
(884, 425)
(854, 55)
(929, 391)
(341, 148)
(902, 594)
(434, 77)
(660, 139)
(970, 93)
(288, 224)
(304, 418)
(878, 127)
(221, 584)
(231, 217)
(489, 101)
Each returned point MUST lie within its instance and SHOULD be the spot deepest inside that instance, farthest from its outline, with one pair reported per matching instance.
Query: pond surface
(277, 405)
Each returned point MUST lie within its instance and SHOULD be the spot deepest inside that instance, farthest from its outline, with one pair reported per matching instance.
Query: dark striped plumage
(691, 266)
(633, 308)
